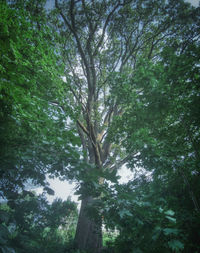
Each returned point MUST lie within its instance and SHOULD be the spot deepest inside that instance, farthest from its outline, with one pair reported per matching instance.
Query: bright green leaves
(33, 134)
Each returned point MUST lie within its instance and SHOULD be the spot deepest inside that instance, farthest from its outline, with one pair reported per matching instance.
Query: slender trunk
(89, 231)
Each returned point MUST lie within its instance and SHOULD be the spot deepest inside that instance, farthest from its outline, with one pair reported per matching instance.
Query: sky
(50, 3)
(194, 2)
(65, 189)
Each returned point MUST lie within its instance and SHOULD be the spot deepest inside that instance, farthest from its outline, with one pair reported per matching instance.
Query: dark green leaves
(33, 223)
(176, 245)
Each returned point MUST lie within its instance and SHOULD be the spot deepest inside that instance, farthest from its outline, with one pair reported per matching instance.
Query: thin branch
(119, 164)
(55, 103)
(104, 28)
(83, 128)
(83, 140)
(72, 28)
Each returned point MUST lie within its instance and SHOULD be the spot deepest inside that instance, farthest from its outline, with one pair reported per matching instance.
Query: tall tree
(102, 42)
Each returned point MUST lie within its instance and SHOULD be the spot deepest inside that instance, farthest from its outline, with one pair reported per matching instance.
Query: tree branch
(104, 28)
(83, 140)
(72, 28)
(83, 127)
(119, 164)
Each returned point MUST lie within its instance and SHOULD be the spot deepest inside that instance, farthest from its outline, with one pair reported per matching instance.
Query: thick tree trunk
(89, 231)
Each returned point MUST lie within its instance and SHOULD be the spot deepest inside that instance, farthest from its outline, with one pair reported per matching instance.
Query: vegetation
(87, 87)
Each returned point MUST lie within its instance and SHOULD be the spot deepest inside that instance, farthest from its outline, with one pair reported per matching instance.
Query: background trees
(30, 224)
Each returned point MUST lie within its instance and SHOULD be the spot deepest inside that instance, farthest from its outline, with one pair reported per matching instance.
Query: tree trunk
(89, 231)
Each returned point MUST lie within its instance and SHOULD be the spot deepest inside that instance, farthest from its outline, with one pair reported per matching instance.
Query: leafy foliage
(161, 126)
(31, 224)
(34, 139)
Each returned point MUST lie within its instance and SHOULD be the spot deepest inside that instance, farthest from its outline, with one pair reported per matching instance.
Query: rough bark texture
(88, 233)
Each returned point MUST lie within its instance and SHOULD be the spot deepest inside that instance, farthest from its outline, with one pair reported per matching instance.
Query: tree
(109, 50)
(33, 135)
(101, 47)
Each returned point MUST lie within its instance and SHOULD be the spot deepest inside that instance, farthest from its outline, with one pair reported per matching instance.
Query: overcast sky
(194, 2)
(64, 189)
(50, 3)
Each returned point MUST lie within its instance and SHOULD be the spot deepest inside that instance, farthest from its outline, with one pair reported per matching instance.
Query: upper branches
(109, 38)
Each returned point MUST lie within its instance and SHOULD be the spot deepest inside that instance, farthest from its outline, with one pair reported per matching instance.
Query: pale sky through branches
(65, 189)
(50, 3)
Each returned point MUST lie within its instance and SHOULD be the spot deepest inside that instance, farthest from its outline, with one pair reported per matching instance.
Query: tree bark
(89, 231)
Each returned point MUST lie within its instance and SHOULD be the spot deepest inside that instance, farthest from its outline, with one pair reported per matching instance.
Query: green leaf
(170, 212)
(124, 212)
(171, 219)
(176, 245)
(169, 231)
